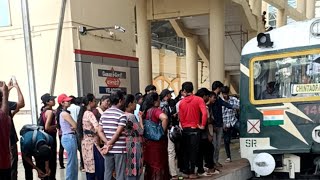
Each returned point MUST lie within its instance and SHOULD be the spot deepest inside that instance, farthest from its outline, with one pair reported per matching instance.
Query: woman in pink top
(87, 130)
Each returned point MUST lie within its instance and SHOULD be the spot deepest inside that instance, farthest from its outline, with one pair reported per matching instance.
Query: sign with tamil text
(305, 88)
(107, 79)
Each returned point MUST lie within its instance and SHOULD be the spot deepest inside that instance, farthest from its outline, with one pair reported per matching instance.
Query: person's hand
(210, 138)
(201, 127)
(3, 86)
(52, 128)
(10, 85)
(48, 171)
(41, 174)
(105, 149)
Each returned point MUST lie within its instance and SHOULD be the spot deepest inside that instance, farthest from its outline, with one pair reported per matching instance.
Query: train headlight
(264, 40)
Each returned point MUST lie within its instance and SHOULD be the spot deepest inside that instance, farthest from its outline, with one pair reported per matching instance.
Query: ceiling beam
(291, 12)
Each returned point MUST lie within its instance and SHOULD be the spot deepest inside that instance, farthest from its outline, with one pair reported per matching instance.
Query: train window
(284, 76)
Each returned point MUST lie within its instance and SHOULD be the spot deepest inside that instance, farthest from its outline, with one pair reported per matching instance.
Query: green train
(280, 101)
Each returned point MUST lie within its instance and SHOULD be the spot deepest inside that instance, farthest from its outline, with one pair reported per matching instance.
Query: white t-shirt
(74, 111)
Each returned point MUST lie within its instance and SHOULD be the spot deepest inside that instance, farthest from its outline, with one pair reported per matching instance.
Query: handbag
(152, 131)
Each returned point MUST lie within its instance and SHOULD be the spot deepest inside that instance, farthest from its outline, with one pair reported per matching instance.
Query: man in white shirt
(74, 109)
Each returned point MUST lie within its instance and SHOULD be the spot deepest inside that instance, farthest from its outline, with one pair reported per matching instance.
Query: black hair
(225, 90)
(150, 87)
(216, 85)
(78, 101)
(1, 96)
(116, 96)
(43, 152)
(59, 110)
(104, 97)
(203, 92)
(213, 94)
(271, 84)
(86, 100)
(187, 86)
(73, 100)
(138, 96)
(129, 99)
(149, 102)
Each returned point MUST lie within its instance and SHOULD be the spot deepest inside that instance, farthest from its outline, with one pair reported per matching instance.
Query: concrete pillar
(144, 45)
(178, 67)
(217, 30)
(281, 17)
(310, 9)
(192, 61)
(162, 54)
(227, 80)
(301, 6)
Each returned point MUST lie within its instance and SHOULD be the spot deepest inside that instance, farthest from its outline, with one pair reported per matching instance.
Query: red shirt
(5, 125)
(192, 112)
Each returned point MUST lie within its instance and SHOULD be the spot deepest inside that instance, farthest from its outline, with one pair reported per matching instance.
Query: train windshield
(291, 77)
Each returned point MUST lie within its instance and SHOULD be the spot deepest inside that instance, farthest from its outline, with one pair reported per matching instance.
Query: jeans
(217, 135)
(27, 170)
(14, 162)
(61, 150)
(53, 158)
(69, 142)
(204, 154)
(190, 145)
(227, 139)
(172, 158)
(115, 162)
(98, 164)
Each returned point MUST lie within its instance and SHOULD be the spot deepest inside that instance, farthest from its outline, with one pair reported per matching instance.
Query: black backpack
(40, 119)
(32, 127)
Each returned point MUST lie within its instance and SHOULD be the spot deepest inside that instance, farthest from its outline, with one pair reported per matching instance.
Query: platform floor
(227, 170)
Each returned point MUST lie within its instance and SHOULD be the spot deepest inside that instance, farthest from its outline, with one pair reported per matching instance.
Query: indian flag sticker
(273, 117)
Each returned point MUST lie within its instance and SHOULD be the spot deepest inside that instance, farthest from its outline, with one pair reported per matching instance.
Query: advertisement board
(107, 79)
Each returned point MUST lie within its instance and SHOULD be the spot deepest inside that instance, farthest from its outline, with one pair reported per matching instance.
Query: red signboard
(113, 82)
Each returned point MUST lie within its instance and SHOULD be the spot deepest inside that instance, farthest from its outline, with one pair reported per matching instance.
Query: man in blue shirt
(37, 144)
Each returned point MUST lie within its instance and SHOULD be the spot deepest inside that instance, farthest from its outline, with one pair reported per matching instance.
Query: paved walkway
(227, 167)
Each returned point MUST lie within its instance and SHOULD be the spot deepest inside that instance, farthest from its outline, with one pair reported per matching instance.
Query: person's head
(204, 93)
(104, 102)
(152, 100)
(264, 12)
(270, 87)
(216, 87)
(130, 104)
(64, 101)
(150, 88)
(73, 100)
(225, 90)
(48, 100)
(42, 151)
(117, 99)
(187, 88)
(213, 97)
(139, 98)
(89, 101)
(165, 95)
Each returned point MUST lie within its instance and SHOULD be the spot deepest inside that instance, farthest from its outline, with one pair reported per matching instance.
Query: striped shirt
(110, 120)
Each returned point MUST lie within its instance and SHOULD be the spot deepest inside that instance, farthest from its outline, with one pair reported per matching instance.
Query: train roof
(296, 34)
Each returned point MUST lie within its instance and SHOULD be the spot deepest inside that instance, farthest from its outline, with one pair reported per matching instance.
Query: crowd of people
(124, 136)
